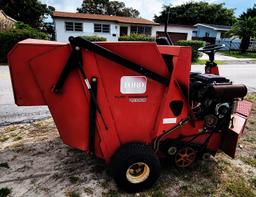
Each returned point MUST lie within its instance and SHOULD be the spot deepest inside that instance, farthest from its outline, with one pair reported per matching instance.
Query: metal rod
(93, 97)
(120, 60)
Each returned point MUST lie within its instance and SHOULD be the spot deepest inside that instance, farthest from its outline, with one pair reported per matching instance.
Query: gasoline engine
(213, 98)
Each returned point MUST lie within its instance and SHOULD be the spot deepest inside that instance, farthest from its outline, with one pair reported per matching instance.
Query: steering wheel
(211, 48)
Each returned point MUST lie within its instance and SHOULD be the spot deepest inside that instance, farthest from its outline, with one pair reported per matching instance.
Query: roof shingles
(117, 19)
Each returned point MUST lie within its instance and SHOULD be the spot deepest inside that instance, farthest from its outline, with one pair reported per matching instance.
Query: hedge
(10, 38)
(136, 37)
(94, 38)
(195, 44)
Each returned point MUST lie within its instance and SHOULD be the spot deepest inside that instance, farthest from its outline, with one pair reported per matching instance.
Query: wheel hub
(137, 173)
(185, 157)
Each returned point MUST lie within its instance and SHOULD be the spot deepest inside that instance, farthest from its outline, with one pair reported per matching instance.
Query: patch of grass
(11, 128)
(253, 181)
(250, 139)
(239, 54)
(39, 125)
(17, 138)
(74, 179)
(251, 97)
(238, 187)
(3, 138)
(111, 193)
(88, 190)
(4, 192)
(72, 194)
(249, 160)
(158, 193)
(4, 165)
(104, 184)
(202, 62)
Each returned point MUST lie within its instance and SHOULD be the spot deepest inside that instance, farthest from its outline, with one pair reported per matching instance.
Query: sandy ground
(41, 165)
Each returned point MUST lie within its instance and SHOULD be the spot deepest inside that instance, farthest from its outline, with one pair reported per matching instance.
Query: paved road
(10, 113)
(238, 73)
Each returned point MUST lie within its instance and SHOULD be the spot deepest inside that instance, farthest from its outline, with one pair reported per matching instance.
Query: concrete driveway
(10, 113)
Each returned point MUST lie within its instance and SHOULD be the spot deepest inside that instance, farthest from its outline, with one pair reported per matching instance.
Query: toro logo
(133, 85)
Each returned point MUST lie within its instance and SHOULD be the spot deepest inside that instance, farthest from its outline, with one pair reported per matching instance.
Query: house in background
(176, 32)
(210, 33)
(111, 27)
(6, 22)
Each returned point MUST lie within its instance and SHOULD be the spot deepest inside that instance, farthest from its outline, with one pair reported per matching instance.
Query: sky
(148, 8)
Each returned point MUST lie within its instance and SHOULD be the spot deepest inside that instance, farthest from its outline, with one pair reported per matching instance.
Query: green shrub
(136, 37)
(24, 26)
(4, 192)
(94, 38)
(10, 38)
(195, 44)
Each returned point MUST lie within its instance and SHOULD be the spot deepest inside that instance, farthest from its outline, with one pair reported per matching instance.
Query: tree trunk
(245, 43)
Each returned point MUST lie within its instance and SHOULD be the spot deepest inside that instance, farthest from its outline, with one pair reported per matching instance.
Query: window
(101, 28)
(78, 27)
(106, 28)
(72, 26)
(69, 26)
(133, 29)
(141, 30)
(97, 27)
(207, 34)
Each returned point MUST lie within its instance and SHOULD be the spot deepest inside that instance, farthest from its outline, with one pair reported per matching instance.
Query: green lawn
(202, 62)
(239, 54)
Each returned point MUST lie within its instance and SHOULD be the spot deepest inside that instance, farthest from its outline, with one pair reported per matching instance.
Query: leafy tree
(31, 12)
(107, 7)
(251, 12)
(244, 28)
(197, 12)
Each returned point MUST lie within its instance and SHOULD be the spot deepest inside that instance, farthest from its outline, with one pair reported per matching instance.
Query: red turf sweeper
(131, 103)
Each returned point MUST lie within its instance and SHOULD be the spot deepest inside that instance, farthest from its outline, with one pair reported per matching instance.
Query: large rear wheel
(135, 167)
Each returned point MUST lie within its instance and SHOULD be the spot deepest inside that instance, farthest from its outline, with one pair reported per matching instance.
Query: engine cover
(209, 78)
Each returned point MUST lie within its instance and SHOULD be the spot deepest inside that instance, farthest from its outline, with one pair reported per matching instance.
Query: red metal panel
(145, 54)
(231, 136)
(244, 108)
(180, 74)
(70, 109)
(25, 88)
(134, 115)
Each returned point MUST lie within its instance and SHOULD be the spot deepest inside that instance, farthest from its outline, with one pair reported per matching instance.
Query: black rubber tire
(128, 155)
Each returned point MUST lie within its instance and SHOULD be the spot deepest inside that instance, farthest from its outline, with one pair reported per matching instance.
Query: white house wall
(174, 29)
(88, 30)
(218, 35)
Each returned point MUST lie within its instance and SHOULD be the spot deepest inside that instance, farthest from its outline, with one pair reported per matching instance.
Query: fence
(235, 44)
(229, 44)
(252, 46)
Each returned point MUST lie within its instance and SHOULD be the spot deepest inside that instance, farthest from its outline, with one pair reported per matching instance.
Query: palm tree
(245, 29)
